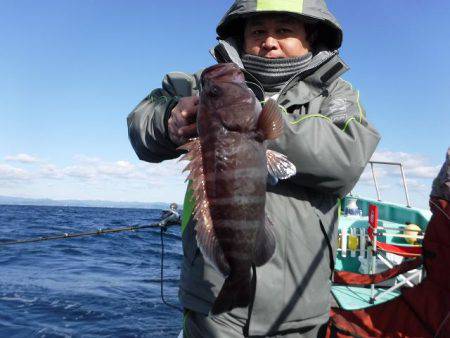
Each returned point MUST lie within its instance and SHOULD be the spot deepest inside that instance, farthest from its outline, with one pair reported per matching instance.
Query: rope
(163, 229)
(246, 327)
(438, 207)
(84, 234)
(441, 326)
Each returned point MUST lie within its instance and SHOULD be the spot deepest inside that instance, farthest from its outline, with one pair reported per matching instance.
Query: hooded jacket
(327, 137)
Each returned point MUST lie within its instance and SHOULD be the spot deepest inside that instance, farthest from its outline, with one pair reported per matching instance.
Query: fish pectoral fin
(279, 166)
(265, 243)
(270, 122)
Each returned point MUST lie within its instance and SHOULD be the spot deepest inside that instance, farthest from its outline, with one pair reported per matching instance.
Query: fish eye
(214, 91)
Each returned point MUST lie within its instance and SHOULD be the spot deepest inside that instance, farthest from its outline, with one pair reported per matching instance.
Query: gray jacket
(326, 136)
(441, 184)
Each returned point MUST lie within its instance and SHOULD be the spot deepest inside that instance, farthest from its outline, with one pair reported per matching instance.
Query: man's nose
(270, 43)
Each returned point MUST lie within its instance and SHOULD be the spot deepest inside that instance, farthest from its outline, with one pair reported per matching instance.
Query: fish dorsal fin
(270, 122)
(279, 166)
(205, 234)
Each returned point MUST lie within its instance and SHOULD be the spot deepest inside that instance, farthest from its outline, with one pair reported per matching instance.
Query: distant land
(9, 200)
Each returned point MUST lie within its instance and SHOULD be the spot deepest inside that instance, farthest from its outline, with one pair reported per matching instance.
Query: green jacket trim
(157, 98)
(347, 122)
(293, 6)
(283, 109)
(309, 116)
(312, 10)
(361, 114)
(185, 316)
(188, 207)
(339, 201)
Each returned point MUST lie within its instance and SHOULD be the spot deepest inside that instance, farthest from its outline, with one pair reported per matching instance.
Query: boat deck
(354, 298)
(391, 216)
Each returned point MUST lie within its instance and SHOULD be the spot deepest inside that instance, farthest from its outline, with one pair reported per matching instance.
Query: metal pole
(344, 236)
(375, 181)
(394, 287)
(405, 187)
(374, 264)
(362, 242)
(390, 266)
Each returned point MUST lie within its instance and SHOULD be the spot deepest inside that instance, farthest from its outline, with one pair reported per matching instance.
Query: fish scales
(228, 170)
(236, 238)
(230, 152)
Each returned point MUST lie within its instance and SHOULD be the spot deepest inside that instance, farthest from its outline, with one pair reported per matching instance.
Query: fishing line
(437, 206)
(162, 225)
(162, 230)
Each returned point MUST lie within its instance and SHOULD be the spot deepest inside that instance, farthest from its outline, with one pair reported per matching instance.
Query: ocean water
(107, 285)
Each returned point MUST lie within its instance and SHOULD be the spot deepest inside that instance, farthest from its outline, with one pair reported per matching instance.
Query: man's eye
(284, 30)
(258, 32)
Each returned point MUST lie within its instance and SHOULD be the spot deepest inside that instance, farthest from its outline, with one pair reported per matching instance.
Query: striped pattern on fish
(228, 171)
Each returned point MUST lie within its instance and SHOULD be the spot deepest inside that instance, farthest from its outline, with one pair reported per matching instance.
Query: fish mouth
(223, 72)
(219, 69)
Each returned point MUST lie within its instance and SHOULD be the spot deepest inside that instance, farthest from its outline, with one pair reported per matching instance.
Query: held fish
(228, 167)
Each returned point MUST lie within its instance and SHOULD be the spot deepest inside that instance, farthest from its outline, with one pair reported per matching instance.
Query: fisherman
(170, 216)
(288, 52)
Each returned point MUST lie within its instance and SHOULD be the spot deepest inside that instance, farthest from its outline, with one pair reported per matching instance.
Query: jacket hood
(314, 11)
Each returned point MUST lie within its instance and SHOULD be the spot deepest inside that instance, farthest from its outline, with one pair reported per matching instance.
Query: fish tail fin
(235, 292)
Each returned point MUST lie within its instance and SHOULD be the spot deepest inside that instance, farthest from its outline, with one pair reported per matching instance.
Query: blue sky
(71, 71)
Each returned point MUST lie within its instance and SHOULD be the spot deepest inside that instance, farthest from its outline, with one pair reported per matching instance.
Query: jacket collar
(325, 68)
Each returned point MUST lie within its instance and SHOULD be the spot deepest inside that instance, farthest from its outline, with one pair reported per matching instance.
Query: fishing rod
(162, 225)
(100, 231)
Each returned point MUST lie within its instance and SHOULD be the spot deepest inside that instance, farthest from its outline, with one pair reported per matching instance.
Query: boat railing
(402, 172)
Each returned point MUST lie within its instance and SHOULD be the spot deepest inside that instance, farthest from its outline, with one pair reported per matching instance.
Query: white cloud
(415, 165)
(424, 171)
(367, 177)
(416, 185)
(419, 173)
(120, 169)
(166, 169)
(86, 159)
(96, 169)
(95, 178)
(50, 171)
(80, 171)
(8, 172)
(140, 180)
(23, 158)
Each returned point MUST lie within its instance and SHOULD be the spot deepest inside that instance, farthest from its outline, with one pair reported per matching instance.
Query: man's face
(275, 36)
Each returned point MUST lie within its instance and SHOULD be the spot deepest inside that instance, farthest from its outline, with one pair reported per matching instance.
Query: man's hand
(182, 121)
